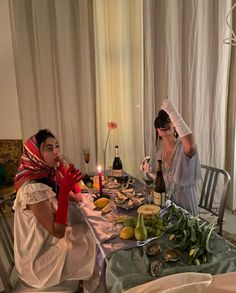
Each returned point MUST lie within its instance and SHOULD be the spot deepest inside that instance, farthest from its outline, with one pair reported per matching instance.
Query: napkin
(75, 216)
(182, 282)
(223, 283)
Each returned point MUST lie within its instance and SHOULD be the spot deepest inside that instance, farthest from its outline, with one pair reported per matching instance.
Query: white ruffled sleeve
(32, 192)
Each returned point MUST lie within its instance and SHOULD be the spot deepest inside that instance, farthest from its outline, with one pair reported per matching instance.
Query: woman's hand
(71, 177)
(168, 107)
(77, 197)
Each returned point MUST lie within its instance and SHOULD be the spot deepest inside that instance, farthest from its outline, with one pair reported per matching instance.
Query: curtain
(231, 122)
(80, 64)
(119, 79)
(190, 65)
(54, 61)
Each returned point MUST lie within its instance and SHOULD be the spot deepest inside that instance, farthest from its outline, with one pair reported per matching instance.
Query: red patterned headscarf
(32, 165)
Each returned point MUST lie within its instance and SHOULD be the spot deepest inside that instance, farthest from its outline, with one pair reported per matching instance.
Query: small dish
(127, 204)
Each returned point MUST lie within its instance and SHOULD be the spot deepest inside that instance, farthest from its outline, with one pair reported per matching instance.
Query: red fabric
(71, 176)
(63, 200)
(32, 165)
(76, 188)
(62, 170)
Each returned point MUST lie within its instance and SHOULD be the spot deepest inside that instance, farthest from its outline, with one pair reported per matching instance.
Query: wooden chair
(215, 183)
(8, 274)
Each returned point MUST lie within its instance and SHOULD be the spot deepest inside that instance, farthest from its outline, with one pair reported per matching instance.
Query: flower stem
(105, 149)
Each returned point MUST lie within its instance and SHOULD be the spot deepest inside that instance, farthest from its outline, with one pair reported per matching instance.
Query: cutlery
(141, 243)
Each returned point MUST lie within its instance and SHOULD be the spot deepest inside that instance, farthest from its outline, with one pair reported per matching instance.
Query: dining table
(124, 264)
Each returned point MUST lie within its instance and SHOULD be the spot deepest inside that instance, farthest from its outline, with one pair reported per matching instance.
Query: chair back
(6, 244)
(215, 184)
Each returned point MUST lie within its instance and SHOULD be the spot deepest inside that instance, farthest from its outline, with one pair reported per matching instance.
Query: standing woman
(177, 149)
(46, 250)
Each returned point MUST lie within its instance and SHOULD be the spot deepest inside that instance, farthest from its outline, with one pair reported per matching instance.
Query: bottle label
(117, 173)
(157, 197)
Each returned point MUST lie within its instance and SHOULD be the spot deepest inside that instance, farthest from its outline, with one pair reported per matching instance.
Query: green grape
(158, 232)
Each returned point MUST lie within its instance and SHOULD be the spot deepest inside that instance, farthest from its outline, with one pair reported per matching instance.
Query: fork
(141, 243)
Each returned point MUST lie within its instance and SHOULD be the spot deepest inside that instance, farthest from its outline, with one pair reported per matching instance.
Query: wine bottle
(159, 194)
(117, 164)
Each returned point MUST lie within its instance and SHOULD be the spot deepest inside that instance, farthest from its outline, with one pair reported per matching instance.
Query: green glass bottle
(159, 195)
(140, 231)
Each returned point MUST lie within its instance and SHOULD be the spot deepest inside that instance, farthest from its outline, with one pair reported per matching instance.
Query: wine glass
(66, 161)
(147, 178)
(86, 152)
(112, 217)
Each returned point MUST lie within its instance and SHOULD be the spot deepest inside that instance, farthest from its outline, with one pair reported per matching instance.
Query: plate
(126, 204)
(129, 199)
(127, 207)
(113, 185)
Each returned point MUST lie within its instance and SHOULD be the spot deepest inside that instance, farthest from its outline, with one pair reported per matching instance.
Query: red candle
(100, 179)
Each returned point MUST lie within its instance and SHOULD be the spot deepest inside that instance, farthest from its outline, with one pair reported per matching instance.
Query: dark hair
(161, 120)
(42, 135)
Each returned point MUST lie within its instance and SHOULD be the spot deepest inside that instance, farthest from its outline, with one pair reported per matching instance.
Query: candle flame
(99, 168)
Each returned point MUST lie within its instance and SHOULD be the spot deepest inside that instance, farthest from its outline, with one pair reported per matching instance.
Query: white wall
(9, 109)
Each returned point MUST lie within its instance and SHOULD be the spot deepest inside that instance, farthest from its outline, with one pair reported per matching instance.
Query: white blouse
(41, 259)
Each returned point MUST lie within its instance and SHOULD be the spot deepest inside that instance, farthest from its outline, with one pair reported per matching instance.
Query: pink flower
(112, 125)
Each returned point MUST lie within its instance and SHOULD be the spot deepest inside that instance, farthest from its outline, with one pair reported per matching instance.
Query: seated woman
(177, 150)
(47, 251)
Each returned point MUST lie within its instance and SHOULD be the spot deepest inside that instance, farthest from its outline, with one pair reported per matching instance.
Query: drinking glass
(112, 217)
(86, 153)
(148, 187)
(147, 178)
(66, 161)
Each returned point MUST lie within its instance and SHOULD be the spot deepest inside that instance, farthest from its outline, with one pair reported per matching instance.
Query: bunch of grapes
(155, 225)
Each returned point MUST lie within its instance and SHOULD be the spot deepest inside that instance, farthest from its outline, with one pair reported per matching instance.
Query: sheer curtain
(119, 78)
(80, 64)
(190, 65)
(54, 61)
(231, 123)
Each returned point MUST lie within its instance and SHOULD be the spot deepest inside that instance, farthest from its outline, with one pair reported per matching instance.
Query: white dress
(41, 259)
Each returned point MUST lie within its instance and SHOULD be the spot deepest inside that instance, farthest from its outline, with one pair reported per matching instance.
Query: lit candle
(100, 179)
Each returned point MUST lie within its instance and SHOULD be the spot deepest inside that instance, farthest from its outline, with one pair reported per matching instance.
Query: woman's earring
(175, 133)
